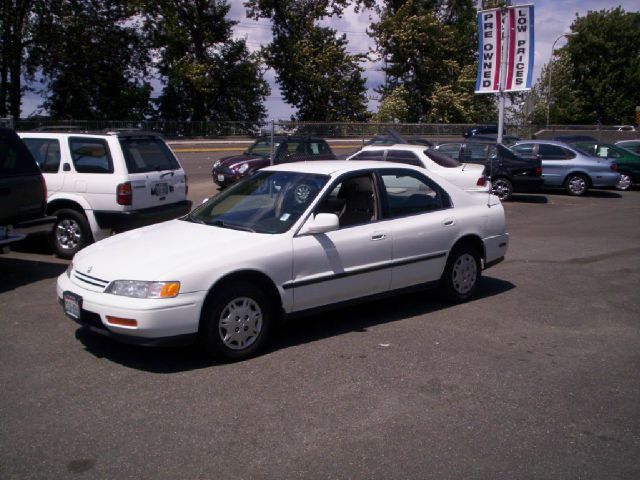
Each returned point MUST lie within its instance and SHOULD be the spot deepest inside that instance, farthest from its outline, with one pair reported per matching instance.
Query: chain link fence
(336, 130)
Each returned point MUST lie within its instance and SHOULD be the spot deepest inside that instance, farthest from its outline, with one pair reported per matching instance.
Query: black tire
(502, 188)
(576, 184)
(461, 276)
(216, 336)
(70, 234)
(625, 182)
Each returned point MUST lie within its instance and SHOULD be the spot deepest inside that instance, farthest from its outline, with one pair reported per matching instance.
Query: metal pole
(503, 72)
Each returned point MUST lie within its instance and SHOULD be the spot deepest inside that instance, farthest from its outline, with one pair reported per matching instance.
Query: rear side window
(46, 152)
(553, 152)
(90, 155)
(147, 154)
(408, 193)
(451, 149)
(15, 158)
(369, 155)
(319, 148)
(403, 156)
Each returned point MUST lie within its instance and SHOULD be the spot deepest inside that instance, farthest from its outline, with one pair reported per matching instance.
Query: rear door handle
(449, 222)
(378, 236)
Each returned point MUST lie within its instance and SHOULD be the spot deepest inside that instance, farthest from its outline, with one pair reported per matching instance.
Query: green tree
(430, 48)
(207, 74)
(92, 59)
(15, 32)
(394, 107)
(594, 77)
(315, 72)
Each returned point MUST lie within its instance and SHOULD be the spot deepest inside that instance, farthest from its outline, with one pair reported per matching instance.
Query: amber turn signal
(123, 322)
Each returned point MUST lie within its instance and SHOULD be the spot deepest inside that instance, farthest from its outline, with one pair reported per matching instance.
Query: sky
(552, 19)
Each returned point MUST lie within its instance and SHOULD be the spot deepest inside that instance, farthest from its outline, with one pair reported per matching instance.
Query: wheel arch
(60, 203)
(472, 240)
(253, 276)
(578, 172)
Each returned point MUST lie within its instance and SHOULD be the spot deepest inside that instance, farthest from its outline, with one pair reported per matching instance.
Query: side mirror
(321, 223)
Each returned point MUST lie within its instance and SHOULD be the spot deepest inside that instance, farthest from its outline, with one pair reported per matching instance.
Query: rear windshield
(15, 158)
(442, 159)
(147, 154)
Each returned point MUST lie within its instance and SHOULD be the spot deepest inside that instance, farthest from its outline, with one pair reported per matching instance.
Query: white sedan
(467, 176)
(292, 238)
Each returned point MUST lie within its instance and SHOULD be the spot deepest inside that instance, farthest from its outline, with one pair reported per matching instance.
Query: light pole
(553, 47)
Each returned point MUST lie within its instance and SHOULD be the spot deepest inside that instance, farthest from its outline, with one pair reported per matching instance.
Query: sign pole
(503, 71)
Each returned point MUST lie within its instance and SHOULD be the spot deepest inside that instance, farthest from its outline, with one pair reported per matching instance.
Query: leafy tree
(394, 107)
(594, 77)
(315, 72)
(208, 75)
(430, 48)
(92, 59)
(14, 36)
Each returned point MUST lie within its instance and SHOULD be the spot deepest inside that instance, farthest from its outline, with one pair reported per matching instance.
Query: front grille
(89, 280)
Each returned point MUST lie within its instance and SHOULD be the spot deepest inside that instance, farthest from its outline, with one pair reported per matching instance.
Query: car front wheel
(625, 181)
(70, 234)
(502, 188)
(236, 321)
(576, 184)
(461, 274)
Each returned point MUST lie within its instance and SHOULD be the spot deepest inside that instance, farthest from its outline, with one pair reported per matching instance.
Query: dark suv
(229, 170)
(23, 193)
(509, 172)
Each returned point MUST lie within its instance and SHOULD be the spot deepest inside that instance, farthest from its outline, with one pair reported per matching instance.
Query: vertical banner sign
(490, 37)
(520, 48)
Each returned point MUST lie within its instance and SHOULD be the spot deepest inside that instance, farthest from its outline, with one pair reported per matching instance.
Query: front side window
(353, 200)
(261, 148)
(46, 151)
(552, 152)
(147, 154)
(267, 202)
(90, 155)
(409, 193)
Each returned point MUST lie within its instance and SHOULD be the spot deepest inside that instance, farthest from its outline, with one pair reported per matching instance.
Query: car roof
(396, 146)
(91, 133)
(336, 167)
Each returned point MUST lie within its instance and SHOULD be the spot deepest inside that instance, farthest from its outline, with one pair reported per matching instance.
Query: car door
(555, 163)
(423, 226)
(347, 263)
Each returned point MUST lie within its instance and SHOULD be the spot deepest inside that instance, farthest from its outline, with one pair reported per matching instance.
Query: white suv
(103, 183)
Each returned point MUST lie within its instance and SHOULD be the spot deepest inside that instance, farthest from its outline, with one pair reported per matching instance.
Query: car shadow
(592, 193)
(16, 272)
(529, 198)
(295, 332)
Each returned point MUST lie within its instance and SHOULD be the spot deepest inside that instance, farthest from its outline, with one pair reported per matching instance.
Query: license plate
(160, 189)
(221, 178)
(72, 304)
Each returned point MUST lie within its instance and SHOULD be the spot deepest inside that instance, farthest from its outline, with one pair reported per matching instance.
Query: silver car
(568, 167)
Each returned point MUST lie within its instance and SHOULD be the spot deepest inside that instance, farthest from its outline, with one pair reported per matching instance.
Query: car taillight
(614, 166)
(481, 181)
(124, 193)
(44, 190)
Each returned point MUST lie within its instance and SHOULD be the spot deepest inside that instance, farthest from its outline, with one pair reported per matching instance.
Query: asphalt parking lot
(537, 378)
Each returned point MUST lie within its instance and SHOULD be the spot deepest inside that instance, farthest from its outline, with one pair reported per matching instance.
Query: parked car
(508, 171)
(23, 192)
(627, 161)
(292, 239)
(631, 145)
(106, 182)
(491, 137)
(573, 138)
(471, 178)
(568, 167)
(482, 130)
(229, 170)
(393, 138)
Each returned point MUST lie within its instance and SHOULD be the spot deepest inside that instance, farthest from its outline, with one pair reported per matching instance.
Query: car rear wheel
(236, 322)
(461, 274)
(71, 233)
(502, 188)
(576, 184)
(625, 181)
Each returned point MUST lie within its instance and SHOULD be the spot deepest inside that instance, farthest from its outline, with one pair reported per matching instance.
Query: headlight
(216, 164)
(140, 289)
(243, 168)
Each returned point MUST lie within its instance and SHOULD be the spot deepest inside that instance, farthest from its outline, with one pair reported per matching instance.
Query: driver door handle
(449, 222)
(378, 236)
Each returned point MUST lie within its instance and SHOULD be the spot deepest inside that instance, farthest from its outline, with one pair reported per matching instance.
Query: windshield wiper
(233, 226)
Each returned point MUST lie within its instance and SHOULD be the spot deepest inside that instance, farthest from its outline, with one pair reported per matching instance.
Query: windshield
(267, 202)
(147, 154)
(261, 148)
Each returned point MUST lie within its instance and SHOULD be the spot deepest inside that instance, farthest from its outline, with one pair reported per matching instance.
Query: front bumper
(159, 321)
(130, 219)
(224, 178)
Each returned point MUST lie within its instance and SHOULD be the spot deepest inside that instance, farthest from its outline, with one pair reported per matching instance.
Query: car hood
(239, 159)
(166, 251)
